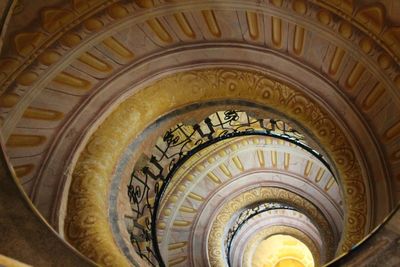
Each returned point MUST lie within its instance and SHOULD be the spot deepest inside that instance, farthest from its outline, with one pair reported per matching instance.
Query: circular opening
(282, 251)
(289, 263)
(192, 162)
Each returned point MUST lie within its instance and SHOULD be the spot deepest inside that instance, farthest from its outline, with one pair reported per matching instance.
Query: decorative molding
(275, 230)
(36, 53)
(216, 254)
(101, 20)
(87, 218)
(58, 22)
(197, 175)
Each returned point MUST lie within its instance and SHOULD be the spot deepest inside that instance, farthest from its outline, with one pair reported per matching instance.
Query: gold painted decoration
(324, 17)
(184, 25)
(336, 61)
(42, 114)
(213, 152)
(85, 5)
(176, 261)
(93, 24)
(53, 19)
(391, 37)
(298, 40)
(214, 178)
(212, 23)
(95, 62)
(72, 81)
(307, 169)
(345, 29)
(49, 57)
(319, 175)
(329, 184)
(158, 28)
(261, 159)
(118, 48)
(196, 197)
(366, 44)
(187, 209)
(373, 96)
(276, 230)
(252, 23)
(7, 66)
(215, 252)
(8, 100)
(22, 140)
(87, 217)
(384, 61)
(26, 43)
(27, 78)
(276, 25)
(178, 245)
(372, 17)
(300, 6)
(355, 75)
(145, 3)
(117, 11)
(392, 132)
(369, 18)
(70, 39)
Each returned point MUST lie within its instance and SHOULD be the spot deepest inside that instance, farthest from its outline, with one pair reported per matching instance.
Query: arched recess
(104, 148)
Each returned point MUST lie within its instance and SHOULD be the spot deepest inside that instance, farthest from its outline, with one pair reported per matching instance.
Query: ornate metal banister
(149, 181)
(244, 217)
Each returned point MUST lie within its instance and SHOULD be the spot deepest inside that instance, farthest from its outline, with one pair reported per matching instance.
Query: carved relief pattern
(171, 149)
(193, 171)
(39, 45)
(87, 223)
(216, 237)
(59, 21)
(32, 54)
(274, 230)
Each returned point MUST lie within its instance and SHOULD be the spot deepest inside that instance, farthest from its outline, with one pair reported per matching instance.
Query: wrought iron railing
(151, 175)
(244, 217)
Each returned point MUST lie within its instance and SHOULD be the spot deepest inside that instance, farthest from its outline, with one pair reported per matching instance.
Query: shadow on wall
(380, 248)
(24, 234)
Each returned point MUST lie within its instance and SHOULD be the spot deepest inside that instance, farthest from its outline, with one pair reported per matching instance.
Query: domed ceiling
(195, 133)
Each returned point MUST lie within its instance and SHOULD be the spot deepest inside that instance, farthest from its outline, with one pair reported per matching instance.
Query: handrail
(179, 144)
(244, 217)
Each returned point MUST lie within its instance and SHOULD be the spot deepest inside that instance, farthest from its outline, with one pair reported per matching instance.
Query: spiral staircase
(200, 133)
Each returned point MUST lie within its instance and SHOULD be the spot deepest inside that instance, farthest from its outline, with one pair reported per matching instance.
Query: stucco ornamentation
(87, 225)
(216, 255)
(275, 230)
